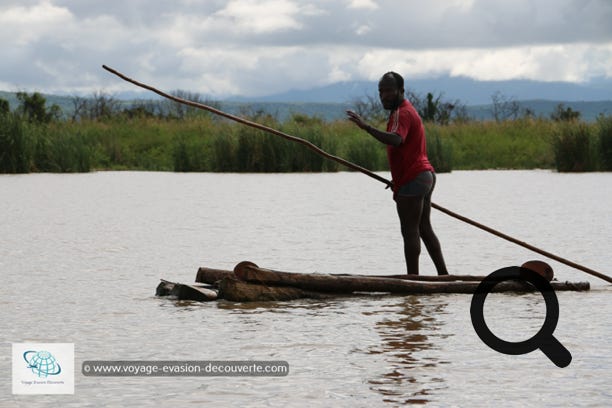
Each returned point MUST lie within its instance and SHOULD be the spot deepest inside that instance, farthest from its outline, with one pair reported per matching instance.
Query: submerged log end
(164, 288)
(190, 292)
(185, 292)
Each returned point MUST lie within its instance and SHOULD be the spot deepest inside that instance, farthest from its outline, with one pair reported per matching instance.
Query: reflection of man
(413, 176)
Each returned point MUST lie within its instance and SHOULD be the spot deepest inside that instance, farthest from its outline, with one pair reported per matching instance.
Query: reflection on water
(408, 337)
(308, 306)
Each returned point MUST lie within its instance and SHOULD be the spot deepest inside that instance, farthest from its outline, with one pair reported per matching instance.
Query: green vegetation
(33, 139)
(573, 146)
(605, 142)
(516, 144)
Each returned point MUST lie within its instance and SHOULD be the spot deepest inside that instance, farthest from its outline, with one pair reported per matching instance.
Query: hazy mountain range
(330, 102)
(470, 92)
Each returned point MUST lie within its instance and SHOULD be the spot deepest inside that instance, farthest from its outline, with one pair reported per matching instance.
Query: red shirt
(408, 159)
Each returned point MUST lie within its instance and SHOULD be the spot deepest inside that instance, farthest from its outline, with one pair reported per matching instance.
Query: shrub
(572, 144)
(15, 152)
(439, 152)
(60, 151)
(605, 142)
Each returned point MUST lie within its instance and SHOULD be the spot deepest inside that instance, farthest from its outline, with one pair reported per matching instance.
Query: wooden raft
(248, 282)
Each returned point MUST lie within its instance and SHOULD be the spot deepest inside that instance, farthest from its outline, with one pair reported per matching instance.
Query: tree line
(433, 108)
(102, 132)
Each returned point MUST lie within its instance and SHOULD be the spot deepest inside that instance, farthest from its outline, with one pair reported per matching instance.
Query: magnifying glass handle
(556, 352)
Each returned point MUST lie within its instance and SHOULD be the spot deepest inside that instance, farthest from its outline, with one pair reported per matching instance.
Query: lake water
(81, 255)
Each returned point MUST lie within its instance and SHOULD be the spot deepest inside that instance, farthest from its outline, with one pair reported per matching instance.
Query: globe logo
(42, 363)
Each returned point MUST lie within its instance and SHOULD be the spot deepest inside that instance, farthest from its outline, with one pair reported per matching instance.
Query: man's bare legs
(414, 213)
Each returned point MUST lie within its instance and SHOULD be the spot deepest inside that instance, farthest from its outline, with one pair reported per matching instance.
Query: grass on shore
(207, 144)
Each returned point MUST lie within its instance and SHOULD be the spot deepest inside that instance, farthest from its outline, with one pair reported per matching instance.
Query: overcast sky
(253, 48)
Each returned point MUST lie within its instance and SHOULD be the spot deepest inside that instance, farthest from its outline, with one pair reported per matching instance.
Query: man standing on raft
(412, 173)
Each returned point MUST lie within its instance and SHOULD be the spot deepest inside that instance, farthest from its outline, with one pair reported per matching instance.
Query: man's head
(391, 90)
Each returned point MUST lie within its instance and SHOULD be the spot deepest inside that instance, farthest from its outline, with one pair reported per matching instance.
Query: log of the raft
(240, 291)
(431, 278)
(230, 288)
(193, 292)
(211, 276)
(250, 272)
(181, 291)
(164, 288)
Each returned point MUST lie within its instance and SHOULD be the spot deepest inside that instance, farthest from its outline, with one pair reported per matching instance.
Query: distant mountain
(341, 92)
(330, 102)
(589, 111)
(466, 90)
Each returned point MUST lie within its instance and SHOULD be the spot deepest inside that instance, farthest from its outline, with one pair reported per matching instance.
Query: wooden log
(164, 288)
(236, 290)
(211, 276)
(431, 278)
(201, 293)
(250, 272)
(193, 292)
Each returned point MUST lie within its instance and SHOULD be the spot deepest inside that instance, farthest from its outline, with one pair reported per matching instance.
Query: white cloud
(260, 16)
(22, 25)
(260, 47)
(542, 63)
(363, 4)
(42, 13)
(363, 29)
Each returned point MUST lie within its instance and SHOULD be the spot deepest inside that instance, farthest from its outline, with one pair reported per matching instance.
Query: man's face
(388, 93)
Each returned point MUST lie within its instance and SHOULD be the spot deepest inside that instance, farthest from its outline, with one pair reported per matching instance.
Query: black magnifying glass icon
(543, 339)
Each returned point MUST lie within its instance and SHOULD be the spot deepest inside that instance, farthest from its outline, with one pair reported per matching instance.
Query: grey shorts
(420, 186)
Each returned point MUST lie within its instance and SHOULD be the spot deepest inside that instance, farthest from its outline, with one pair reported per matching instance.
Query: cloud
(363, 29)
(542, 63)
(259, 47)
(39, 18)
(363, 4)
(259, 16)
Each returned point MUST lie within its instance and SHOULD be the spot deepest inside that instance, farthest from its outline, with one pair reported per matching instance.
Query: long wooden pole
(238, 119)
(523, 244)
(356, 167)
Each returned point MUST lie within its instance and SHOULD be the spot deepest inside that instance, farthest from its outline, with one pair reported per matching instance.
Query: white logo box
(43, 368)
